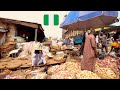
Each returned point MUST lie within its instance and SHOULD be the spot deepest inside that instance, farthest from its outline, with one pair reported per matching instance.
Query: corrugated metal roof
(24, 23)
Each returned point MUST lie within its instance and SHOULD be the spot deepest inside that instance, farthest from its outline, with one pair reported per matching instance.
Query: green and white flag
(52, 20)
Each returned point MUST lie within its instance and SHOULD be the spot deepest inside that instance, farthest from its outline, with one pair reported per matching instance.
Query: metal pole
(36, 34)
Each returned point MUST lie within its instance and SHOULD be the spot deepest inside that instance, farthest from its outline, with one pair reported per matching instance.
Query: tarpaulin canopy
(80, 20)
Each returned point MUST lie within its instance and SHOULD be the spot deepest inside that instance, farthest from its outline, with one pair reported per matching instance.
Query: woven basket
(52, 61)
(57, 58)
(3, 74)
(13, 65)
(28, 76)
(2, 66)
(24, 61)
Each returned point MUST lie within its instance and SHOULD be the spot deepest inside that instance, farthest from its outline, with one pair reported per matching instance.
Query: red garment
(88, 62)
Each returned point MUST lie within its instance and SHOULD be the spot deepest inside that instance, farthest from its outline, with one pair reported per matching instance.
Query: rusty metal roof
(24, 23)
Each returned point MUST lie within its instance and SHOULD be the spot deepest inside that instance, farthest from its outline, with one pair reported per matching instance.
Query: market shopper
(72, 41)
(60, 43)
(65, 41)
(116, 35)
(119, 39)
(97, 39)
(103, 41)
(115, 47)
(89, 53)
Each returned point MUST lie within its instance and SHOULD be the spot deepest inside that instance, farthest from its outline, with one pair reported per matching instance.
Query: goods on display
(72, 66)
(40, 76)
(13, 77)
(105, 73)
(55, 69)
(108, 62)
(63, 75)
(13, 65)
(58, 57)
(84, 74)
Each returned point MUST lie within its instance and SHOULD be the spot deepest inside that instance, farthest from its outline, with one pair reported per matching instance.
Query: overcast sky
(37, 17)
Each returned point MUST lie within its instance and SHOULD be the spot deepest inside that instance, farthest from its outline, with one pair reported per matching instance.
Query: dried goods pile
(72, 66)
(69, 66)
(84, 74)
(37, 74)
(15, 75)
(3, 74)
(28, 49)
(7, 47)
(63, 75)
(40, 75)
(58, 57)
(70, 70)
(108, 62)
(105, 69)
(26, 74)
(12, 64)
(55, 69)
(105, 73)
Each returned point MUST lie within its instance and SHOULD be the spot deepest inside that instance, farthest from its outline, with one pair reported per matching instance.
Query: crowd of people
(93, 43)
(94, 46)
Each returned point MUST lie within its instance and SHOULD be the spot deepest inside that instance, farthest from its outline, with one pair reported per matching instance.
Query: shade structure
(80, 20)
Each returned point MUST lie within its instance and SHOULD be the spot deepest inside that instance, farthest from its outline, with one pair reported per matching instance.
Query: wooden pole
(36, 34)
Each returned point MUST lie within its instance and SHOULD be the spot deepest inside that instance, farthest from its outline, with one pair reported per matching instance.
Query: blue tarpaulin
(78, 39)
(89, 19)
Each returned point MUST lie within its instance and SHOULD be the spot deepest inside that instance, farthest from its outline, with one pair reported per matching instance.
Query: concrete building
(10, 28)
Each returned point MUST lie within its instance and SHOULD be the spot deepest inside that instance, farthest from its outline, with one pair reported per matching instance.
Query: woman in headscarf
(115, 47)
(89, 53)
